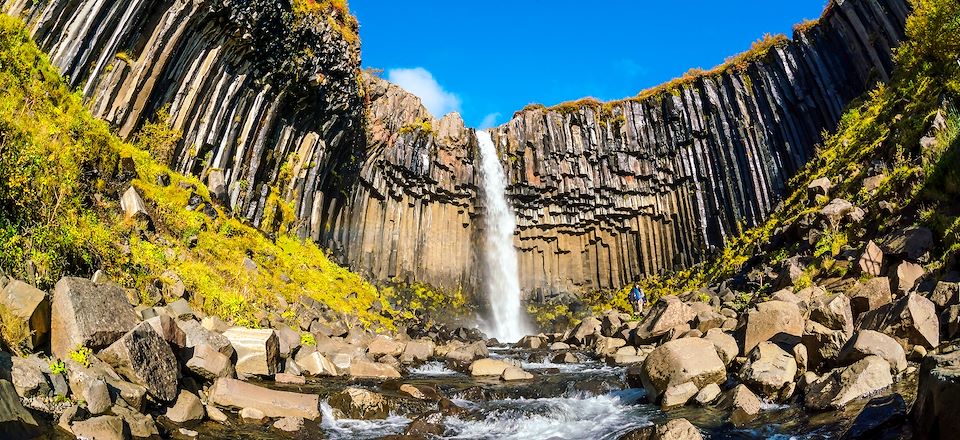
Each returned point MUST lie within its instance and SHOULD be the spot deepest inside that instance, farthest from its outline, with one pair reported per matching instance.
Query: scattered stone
(708, 394)
(101, 428)
(258, 350)
(252, 415)
(880, 414)
(384, 345)
(514, 373)
(363, 368)
(823, 345)
(872, 343)
(913, 243)
(744, 404)
(209, 363)
(238, 394)
(426, 426)
(680, 361)
(188, 432)
(214, 413)
(833, 312)
(33, 306)
(288, 378)
(871, 261)
(666, 314)
(678, 395)
(87, 314)
(289, 424)
(725, 344)
(144, 358)
(779, 321)
(906, 276)
(871, 295)
(770, 370)
(315, 364)
(843, 385)
(360, 404)
(187, 408)
(912, 320)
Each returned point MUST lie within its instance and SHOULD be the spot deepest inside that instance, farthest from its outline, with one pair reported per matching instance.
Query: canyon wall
(604, 193)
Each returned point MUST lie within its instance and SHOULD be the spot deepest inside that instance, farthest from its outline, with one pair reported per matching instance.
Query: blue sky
(488, 59)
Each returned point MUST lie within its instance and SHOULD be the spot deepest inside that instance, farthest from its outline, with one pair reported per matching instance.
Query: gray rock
(233, 393)
(938, 396)
(745, 405)
(33, 306)
(15, 421)
(258, 350)
(843, 385)
(360, 404)
(912, 320)
(89, 315)
(101, 428)
(145, 358)
(187, 408)
(196, 334)
(871, 343)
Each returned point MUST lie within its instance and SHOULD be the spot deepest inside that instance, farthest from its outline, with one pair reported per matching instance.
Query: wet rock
(867, 343)
(680, 361)
(145, 358)
(666, 314)
(531, 342)
(33, 306)
(209, 363)
(187, 408)
(87, 314)
(140, 425)
(234, 393)
(101, 428)
(913, 243)
(585, 332)
(745, 405)
(252, 415)
(771, 370)
(906, 276)
(871, 295)
(420, 392)
(843, 385)
(565, 358)
(15, 421)
(464, 355)
(364, 368)
(708, 394)
(871, 261)
(429, 425)
(880, 414)
(678, 395)
(360, 404)
(934, 412)
(676, 429)
(258, 350)
(289, 424)
(912, 320)
(558, 346)
(488, 367)
(779, 321)
(512, 373)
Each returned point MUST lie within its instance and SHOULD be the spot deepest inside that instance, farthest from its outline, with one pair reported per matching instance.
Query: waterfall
(501, 280)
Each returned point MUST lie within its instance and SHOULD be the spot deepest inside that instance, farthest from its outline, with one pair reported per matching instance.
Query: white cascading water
(501, 277)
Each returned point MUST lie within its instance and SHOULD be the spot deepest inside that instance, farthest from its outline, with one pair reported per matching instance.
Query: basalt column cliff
(270, 101)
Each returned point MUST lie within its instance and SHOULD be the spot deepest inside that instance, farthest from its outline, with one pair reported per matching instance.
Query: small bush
(82, 356)
(14, 331)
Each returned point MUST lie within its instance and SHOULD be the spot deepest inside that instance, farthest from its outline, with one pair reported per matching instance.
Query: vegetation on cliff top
(335, 12)
(60, 181)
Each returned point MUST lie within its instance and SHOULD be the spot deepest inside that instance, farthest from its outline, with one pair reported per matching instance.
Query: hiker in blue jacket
(636, 299)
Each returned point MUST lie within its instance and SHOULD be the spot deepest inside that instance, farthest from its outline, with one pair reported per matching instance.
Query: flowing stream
(501, 278)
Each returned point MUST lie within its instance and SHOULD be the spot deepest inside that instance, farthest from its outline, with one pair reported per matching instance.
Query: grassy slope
(59, 211)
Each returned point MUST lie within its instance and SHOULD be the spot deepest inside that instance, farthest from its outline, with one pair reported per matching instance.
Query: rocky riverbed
(167, 371)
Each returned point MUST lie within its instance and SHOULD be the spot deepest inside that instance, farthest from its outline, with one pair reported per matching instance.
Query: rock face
(603, 193)
(88, 314)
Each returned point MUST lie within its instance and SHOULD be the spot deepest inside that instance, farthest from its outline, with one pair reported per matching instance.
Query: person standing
(635, 298)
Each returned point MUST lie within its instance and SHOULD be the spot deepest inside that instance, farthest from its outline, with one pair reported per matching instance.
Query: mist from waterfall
(501, 278)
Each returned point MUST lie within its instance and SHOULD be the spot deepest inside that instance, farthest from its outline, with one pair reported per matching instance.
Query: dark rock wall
(603, 194)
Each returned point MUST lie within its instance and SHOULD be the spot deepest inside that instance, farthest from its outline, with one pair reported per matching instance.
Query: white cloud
(420, 82)
(489, 121)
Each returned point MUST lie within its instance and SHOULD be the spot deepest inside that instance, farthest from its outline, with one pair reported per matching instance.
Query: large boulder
(870, 295)
(877, 418)
(418, 351)
(32, 305)
(209, 363)
(187, 408)
(384, 346)
(771, 370)
(101, 428)
(823, 345)
(834, 312)
(666, 314)
(844, 385)
(488, 367)
(233, 393)
(87, 314)
(725, 344)
(196, 334)
(145, 358)
(872, 343)
(15, 421)
(779, 321)
(912, 320)
(676, 429)
(585, 332)
(913, 243)
(258, 350)
(744, 405)
(938, 396)
(679, 361)
(359, 404)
